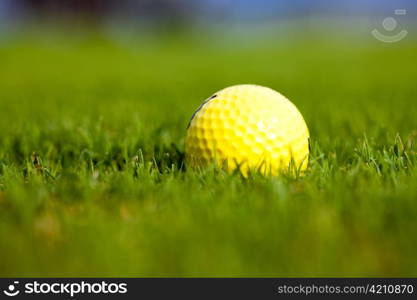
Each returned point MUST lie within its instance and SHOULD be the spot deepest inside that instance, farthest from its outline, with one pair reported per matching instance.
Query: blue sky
(265, 8)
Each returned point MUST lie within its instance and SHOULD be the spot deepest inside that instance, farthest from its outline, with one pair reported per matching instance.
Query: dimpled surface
(249, 127)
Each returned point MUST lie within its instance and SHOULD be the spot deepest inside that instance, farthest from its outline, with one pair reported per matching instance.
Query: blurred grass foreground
(92, 179)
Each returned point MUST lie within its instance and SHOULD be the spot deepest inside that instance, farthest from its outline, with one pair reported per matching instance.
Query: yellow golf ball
(250, 128)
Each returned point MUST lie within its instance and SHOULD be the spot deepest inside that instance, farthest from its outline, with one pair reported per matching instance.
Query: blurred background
(95, 97)
(198, 12)
(200, 46)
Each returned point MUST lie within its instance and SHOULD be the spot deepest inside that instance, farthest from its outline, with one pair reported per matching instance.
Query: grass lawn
(93, 182)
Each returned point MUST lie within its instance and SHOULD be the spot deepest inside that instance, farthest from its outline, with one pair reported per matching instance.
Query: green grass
(93, 182)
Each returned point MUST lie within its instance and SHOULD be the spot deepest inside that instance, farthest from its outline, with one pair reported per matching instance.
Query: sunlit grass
(92, 173)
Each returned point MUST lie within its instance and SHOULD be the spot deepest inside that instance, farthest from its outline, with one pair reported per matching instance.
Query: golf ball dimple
(248, 127)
